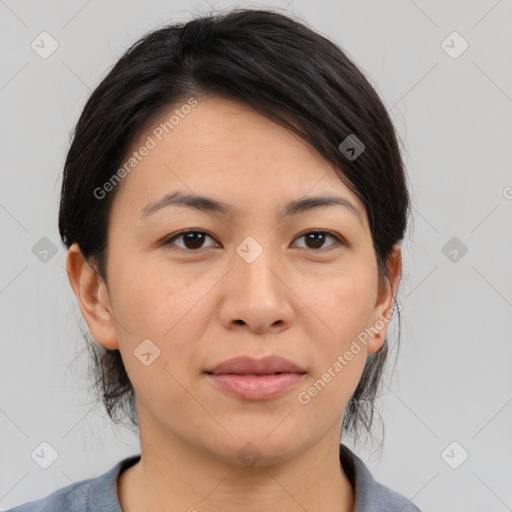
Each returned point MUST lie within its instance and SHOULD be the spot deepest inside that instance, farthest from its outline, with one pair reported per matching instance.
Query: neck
(185, 478)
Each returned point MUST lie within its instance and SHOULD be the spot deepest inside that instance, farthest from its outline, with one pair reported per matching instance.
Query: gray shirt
(100, 494)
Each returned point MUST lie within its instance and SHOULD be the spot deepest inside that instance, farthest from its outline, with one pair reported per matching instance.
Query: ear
(92, 295)
(385, 301)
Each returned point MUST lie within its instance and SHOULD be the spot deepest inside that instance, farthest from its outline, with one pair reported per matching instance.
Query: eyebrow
(210, 205)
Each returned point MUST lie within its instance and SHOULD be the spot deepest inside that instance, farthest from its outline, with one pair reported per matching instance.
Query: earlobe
(383, 310)
(92, 296)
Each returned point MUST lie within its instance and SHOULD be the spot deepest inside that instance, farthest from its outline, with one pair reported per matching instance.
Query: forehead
(225, 149)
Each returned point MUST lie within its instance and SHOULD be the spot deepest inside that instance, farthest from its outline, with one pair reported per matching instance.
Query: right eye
(192, 240)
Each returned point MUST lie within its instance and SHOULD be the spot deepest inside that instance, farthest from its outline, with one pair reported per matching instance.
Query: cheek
(150, 299)
(160, 321)
(340, 363)
(153, 304)
(343, 304)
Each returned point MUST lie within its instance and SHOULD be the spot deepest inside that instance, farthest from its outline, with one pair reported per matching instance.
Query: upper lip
(249, 365)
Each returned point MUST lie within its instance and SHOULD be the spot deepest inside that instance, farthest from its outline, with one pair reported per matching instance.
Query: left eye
(194, 240)
(317, 238)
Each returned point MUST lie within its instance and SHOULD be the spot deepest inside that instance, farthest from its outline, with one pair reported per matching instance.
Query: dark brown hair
(285, 71)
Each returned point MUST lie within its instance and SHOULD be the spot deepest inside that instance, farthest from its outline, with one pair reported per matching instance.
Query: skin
(201, 306)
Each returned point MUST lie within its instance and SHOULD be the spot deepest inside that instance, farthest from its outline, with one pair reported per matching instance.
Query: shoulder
(88, 495)
(73, 498)
(383, 499)
(371, 496)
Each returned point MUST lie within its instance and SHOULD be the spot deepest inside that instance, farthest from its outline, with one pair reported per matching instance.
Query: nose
(256, 295)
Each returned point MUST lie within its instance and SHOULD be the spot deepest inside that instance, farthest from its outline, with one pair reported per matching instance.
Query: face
(249, 279)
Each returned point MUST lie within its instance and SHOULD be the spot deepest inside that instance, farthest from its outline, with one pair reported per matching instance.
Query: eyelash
(338, 239)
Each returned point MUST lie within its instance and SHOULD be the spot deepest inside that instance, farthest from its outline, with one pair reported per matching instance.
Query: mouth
(255, 386)
(259, 374)
(245, 365)
(247, 378)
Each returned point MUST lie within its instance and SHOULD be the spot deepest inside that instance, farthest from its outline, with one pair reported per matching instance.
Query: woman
(233, 204)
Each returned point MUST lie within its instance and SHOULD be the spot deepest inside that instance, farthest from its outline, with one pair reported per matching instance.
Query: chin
(252, 446)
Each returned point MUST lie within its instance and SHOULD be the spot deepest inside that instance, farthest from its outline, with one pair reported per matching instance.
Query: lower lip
(256, 387)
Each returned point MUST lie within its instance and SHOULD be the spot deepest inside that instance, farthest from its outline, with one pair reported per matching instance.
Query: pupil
(193, 240)
(319, 241)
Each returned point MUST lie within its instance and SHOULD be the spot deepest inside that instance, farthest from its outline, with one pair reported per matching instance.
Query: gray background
(453, 378)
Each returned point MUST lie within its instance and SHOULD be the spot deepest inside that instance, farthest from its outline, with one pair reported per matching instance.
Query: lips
(243, 365)
(247, 378)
